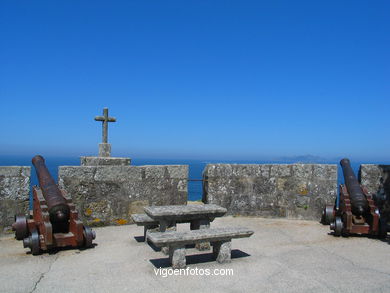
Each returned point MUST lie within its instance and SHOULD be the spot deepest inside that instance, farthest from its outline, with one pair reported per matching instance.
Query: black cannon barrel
(56, 203)
(359, 203)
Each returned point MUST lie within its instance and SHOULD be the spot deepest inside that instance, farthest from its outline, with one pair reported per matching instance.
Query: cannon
(53, 221)
(354, 211)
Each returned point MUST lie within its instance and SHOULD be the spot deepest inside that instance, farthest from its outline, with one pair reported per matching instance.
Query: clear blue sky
(196, 79)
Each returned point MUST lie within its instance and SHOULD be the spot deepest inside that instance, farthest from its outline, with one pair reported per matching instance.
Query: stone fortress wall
(297, 191)
(14, 193)
(107, 190)
(108, 195)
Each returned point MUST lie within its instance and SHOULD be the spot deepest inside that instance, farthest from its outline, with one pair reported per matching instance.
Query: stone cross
(105, 119)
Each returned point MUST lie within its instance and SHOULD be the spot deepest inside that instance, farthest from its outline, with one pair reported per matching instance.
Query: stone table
(199, 216)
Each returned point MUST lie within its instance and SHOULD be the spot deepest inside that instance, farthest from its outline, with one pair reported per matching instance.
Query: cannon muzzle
(359, 203)
(56, 203)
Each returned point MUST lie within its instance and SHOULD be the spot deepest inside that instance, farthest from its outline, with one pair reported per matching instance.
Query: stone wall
(108, 195)
(271, 190)
(14, 193)
(371, 175)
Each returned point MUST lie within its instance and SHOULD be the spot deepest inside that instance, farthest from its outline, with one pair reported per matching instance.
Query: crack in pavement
(43, 274)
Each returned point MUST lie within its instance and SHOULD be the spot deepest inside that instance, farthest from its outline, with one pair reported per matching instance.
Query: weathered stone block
(177, 257)
(105, 161)
(222, 251)
(108, 195)
(14, 193)
(271, 190)
(371, 175)
(104, 150)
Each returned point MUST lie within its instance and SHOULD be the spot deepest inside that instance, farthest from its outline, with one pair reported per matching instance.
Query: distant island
(303, 159)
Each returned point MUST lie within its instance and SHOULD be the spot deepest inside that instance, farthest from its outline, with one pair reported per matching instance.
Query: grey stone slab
(185, 211)
(105, 161)
(302, 171)
(297, 191)
(177, 171)
(166, 171)
(15, 171)
(118, 173)
(237, 170)
(84, 173)
(14, 182)
(196, 236)
(324, 172)
(279, 170)
(155, 171)
(143, 219)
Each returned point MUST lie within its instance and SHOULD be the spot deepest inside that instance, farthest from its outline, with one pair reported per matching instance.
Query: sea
(196, 167)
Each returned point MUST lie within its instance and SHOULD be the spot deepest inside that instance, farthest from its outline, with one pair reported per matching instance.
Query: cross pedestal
(104, 149)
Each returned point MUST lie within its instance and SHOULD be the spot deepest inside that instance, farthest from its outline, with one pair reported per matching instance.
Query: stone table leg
(164, 226)
(201, 224)
(177, 257)
(222, 251)
(148, 229)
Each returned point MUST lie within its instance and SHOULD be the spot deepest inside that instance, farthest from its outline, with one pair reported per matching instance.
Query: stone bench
(198, 215)
(151, 225)
(144, 220)
(220, 239)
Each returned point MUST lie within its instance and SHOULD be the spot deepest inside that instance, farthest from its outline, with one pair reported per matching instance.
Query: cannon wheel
(338, 226)
(89, 235)
(327, 215)
(35, 249)
(32, 242)
(20, 227)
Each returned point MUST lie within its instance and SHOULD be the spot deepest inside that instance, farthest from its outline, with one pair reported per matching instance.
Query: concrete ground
(282, 256)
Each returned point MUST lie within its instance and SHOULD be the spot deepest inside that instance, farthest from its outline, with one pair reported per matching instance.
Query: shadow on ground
(196, 258)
